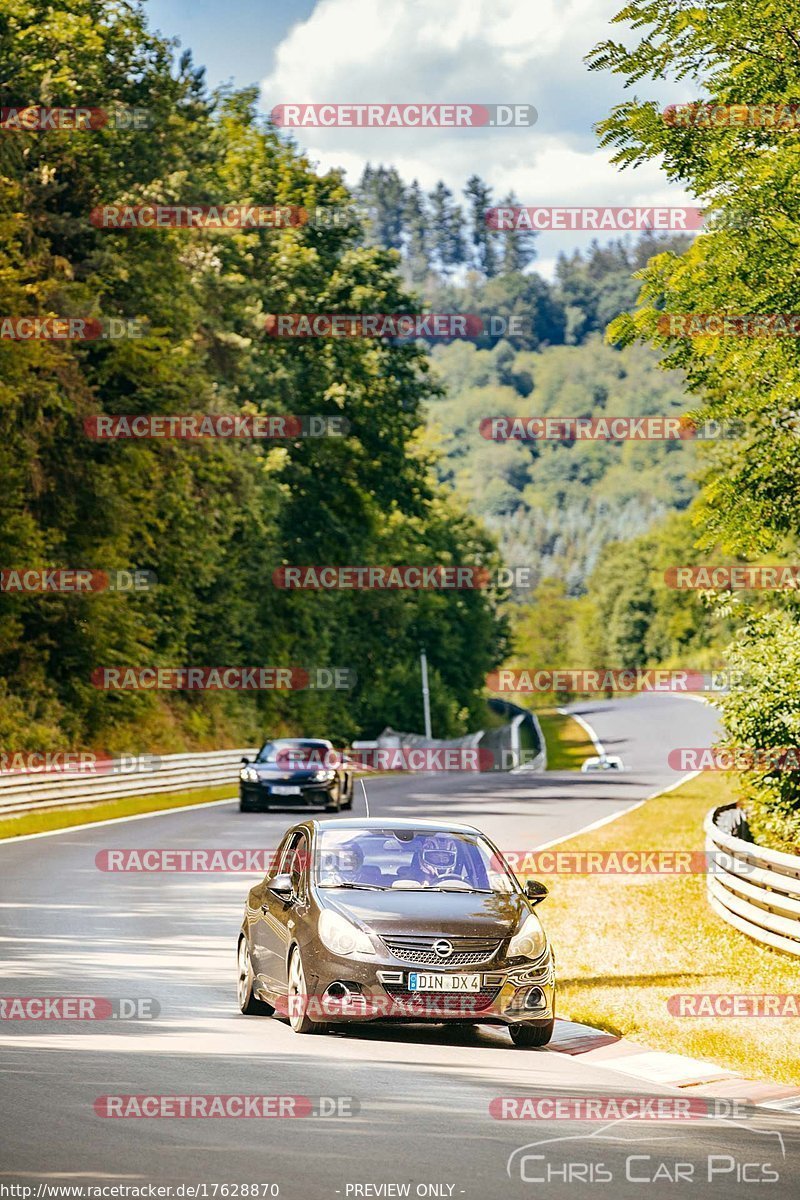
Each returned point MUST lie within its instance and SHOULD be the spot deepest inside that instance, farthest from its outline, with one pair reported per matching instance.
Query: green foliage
(211, 519)
(555, 505)
(764, 714)
(733, 52)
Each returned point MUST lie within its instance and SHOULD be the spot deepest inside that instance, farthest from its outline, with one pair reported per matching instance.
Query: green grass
(82, 814)
(567, 742)
(624, 944)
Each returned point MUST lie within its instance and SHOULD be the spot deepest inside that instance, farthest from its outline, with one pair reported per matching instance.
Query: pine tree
(519, 245)
(418, 244)
(483, 251)
(447, 228)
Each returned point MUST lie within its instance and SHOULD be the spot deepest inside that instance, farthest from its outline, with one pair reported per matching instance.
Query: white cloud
(480, 51)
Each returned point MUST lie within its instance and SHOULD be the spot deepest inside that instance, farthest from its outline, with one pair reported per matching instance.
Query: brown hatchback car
(396, 920)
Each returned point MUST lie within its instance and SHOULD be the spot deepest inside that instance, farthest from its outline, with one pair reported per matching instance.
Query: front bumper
(380, 991)
(264, 795)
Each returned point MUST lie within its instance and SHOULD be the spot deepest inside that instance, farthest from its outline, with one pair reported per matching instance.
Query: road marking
(598, 745)
(158, 812)
(621, 811)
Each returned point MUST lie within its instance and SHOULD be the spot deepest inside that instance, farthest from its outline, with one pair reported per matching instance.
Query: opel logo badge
(443, 948)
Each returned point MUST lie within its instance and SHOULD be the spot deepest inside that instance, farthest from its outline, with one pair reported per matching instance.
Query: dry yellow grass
(625, 944)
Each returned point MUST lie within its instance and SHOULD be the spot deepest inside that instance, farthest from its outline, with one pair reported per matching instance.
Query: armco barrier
(25, 791)
(755, 890)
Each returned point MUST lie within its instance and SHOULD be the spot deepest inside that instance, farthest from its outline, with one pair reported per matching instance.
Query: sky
(479, 51)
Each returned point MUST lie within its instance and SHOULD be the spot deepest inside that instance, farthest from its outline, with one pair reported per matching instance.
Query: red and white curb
(667, 1069)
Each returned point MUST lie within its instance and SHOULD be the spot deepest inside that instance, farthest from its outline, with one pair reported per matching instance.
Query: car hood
(276, 773)
(456, 914)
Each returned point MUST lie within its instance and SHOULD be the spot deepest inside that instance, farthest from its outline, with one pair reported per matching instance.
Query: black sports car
(289, 771)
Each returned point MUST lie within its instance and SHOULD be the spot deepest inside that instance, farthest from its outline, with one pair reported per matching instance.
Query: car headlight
(341, 936)
(324, 776)
(529, 941)
(248, 775)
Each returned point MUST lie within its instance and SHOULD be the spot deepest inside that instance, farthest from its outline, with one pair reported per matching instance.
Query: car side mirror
(536, 891)
(245, 761)
(280, 885)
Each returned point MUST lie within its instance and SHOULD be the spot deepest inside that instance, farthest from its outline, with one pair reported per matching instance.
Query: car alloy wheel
(248, 1003)
(298, 998)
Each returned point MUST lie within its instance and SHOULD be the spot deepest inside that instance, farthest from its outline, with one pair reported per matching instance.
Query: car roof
(377, 823)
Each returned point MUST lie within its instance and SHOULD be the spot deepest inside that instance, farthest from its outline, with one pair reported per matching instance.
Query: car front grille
(431, 1004)
(420, 951)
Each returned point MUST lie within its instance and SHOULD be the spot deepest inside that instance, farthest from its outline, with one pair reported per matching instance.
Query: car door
(267, 915)
(279, 915)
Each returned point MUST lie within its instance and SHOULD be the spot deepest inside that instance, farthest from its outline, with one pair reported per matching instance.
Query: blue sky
(234, 40)
(482, 51)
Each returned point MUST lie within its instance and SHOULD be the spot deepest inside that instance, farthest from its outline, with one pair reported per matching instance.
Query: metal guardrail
(29, 790)
(755, 890)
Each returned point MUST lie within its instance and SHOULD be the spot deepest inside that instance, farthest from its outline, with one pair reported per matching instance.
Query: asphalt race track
(422, 1095)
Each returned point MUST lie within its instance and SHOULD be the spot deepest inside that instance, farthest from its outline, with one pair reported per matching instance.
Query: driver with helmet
(435, 858)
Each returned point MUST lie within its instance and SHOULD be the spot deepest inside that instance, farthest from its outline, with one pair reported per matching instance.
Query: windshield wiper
(363, 887)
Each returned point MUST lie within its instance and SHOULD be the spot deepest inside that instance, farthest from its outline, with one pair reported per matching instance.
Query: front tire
(249, 1004)
(532, 1035)
(298, 998)
(348, 787)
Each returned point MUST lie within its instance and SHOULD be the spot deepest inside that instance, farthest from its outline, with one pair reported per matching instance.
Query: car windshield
(409, 860)
(294, 753)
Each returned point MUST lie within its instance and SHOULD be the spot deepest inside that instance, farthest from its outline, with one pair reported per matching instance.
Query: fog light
(535, 998)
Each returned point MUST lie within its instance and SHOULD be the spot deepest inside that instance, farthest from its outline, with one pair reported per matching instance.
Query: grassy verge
(567, 743)
(624, 944)
(83, 814)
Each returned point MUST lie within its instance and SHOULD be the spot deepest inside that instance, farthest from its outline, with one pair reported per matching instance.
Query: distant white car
(602, 762)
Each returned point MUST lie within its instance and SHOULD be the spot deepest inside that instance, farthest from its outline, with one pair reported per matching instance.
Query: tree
(447, 230)
(381, 191)
(744, 170)
(519, 245)
(418, 250)
(212, 519)
(483, 249)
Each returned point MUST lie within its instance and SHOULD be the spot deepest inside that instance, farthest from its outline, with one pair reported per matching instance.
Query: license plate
(425, 982)
(285, 791)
